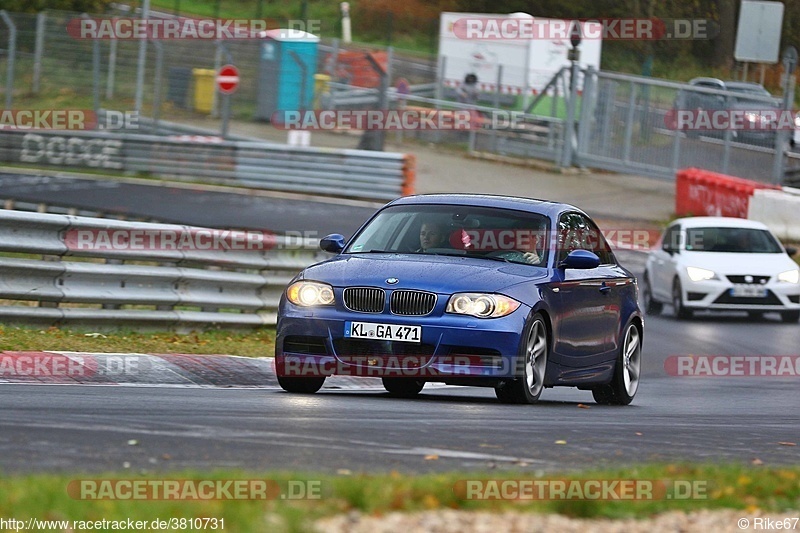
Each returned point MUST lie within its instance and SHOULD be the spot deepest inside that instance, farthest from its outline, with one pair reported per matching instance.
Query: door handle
(605, 288)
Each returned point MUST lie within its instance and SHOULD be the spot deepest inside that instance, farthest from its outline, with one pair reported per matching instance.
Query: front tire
(528, 386)
(790, 316)
(403, 387)
(651, 306)
(681, 313)
(627, 370)
(301, 385)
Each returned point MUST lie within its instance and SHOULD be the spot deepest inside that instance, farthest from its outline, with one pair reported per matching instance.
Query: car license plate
(748, 291)
(386, 332)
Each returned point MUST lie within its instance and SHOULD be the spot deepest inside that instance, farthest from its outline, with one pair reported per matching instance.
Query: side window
(670, 242)
(576, 232)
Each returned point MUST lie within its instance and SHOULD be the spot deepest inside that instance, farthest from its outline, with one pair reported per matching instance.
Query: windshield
(481, 232)
(731, 240)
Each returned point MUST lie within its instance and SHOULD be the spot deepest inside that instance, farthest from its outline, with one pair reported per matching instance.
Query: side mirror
(791, 250)
(333, 243)
(580, 260)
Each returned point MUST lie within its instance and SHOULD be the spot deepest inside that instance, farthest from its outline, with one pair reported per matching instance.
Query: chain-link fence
(655, 127)
(621, 122)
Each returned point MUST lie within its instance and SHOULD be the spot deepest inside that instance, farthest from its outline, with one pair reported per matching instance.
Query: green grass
(730, 486)
(257, 343)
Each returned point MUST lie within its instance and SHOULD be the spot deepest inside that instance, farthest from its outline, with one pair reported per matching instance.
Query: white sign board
(527, 64)
(758, 37)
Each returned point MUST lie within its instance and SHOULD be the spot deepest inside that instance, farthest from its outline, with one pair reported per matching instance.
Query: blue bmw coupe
(504, 292)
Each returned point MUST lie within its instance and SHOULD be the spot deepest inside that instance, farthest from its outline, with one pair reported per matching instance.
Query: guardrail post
(41, 20)
(626, 149)
(587, 111)
(141, 62)
(781, 141)
(95, 74)
(157, 84)
(496, 104)
(438, 92)
(12, 53)
(112, 67)
(727, 138)
(569, 126)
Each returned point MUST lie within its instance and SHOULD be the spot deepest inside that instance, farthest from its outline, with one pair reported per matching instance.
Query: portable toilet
(287, 64)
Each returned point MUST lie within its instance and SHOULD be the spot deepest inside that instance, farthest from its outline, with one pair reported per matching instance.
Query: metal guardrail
(164, 287)
(353, 173)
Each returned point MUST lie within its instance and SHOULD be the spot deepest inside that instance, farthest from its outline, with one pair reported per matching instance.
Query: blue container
(288, 62)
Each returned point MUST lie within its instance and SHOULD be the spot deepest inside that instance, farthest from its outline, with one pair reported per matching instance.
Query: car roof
(745, 84)
(719, 222)
(715, 81)
(544, 207)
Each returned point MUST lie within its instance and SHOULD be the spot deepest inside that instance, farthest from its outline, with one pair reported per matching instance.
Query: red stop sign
(228, 79)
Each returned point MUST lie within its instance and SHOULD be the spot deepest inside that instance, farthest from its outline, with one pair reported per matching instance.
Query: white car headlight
(700, 274)
(481, 305)
(310, 293)
(790, 276)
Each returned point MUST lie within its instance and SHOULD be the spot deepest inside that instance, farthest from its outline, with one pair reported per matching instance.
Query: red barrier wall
(702, 193)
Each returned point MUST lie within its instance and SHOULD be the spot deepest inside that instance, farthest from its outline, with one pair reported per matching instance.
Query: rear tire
(681, 313)
(403, 387)
(627, 370)
(790, 316)
(527, 387)
(651, 306)
(301, 385)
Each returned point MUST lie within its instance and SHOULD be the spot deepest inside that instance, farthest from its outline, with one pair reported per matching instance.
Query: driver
(431, 235)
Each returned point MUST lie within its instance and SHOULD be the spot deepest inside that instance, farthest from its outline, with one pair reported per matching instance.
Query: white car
(720, 263)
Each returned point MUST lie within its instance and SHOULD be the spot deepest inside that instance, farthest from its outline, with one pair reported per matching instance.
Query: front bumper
(313, 343)
(717, 294)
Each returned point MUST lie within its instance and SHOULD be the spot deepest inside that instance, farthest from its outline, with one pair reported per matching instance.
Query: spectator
(467, 93)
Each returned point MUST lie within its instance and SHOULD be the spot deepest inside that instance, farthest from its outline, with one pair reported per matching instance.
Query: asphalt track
(732, 419)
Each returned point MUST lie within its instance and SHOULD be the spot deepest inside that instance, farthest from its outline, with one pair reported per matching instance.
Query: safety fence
(338, 172)
(59, 269)
(619, 122)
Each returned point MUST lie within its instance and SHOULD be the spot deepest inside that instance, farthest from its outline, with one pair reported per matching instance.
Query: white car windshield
(731, 240)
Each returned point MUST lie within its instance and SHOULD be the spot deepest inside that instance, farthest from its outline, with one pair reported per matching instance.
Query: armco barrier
(162, 286)
(779, 210)
(337, 172)
(702, 193)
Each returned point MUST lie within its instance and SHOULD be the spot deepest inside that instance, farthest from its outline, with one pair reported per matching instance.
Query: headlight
(310, 293)
(790, 276)
(752, 117)
(700, 274)
(481, 305)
